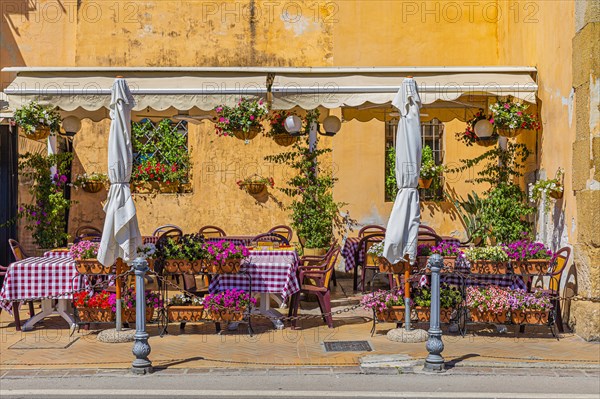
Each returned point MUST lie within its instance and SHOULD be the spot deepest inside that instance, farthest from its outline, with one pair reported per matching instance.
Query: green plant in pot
(429, 169)
(450, 297)
(36, 121)
(315, 213)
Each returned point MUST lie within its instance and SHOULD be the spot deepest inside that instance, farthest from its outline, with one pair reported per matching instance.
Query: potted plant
(528, 258)
(36, 121)
(278, 132)
(85, 254)
(145, 177)
(552, 188)
(450, 297)
(225, 257)
(92, 183)
(450, 251)
(152, 299)
(469, 137)
(423, 252)
(185, 308)
(487, 260)
(510, 119)
(386, 306)
(529, 308)
(489, 304)
(255, 184)
(95, 307)
(148, 251)
(243, 120)
(376, 250)
(229, 305)
(183, 255)
(429, 170)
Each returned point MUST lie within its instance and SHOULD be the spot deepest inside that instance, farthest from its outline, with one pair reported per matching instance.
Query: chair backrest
(426, 229)
(87, 231)
(17, 250)
(560, 263)
(94, 238)
(427, 238)
(332, 256)
(212, 232)
(283, 230)
(270, 238)
(371, 229)
(365, 244)
(160, 230)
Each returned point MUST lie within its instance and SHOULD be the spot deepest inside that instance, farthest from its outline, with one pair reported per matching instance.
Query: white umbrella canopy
(403, 226)
(121, 234)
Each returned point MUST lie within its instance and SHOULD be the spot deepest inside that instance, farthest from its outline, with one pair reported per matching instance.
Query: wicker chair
(212, 232)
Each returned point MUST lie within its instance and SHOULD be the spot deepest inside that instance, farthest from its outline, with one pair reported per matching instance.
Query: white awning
(362, 93)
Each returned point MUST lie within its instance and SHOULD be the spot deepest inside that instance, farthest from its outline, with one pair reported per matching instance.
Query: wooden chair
(15, 304)
(283, 230)
(167, 227)
(212, 232)
(371, 229)
(17, 250)
(369, 262)
(314, 279)
(270, 238)
(556, 272)
(87, 231)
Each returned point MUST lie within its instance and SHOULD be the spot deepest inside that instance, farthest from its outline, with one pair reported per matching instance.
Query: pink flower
(492, 121)
(507, 105)
(519, 113)
(251, 117)
(221, 119)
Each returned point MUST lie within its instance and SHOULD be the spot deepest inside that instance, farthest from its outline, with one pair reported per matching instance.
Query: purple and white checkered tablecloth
(236, 240)
(272, 271)
(350, 250)
(502, 280)
(40, 277)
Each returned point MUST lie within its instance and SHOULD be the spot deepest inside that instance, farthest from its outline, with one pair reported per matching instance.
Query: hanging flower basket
(531, 267)
(488, 317)
(391, 314)
(253, 188)
(92, 266)
(530, 316)
(168, 188)
(95, 315)
(255, 184)
(41, 132)
(185, 313)
(425, 183)
(92, 186)
(252, 132)
(508, 132)
(486, 142)
(556, 194)
(285, 139)
(386, 267)
(227, 266)
(242, 120)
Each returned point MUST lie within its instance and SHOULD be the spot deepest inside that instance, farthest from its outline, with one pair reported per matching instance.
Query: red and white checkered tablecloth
(57, 253)
(272, 271)
(37, 277)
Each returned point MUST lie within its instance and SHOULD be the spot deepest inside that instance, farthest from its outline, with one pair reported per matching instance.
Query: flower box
(386, 267)
(183, 266)
(92, 266)
(530, 316)
(95, 315)
(128, 315)
(92, 186)
(41, 132)
(488, 267)
(488, 317)
(168, 188)
(185, 313)
(422, 262)
(226, 314)
(508, 132)
(449, 264)
(228, 266)
(395, 313)
(531, 267)
(424, 314)
(146, 187)
(425, 183)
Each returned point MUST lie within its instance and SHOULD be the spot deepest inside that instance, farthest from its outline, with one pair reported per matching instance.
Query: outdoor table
(352, 256)
(39, 277)
(57, 253)
(273, 271)
(237, 240)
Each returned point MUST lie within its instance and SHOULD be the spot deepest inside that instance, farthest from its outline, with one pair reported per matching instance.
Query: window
(432, 134)
(160, 151)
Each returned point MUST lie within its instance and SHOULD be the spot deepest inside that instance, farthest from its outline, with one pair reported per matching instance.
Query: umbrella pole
(118, 293)
(407, 297)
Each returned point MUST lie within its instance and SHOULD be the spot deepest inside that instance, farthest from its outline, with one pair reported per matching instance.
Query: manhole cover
(348, 346)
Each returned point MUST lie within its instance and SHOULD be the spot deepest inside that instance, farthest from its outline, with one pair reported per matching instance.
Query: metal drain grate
(348, 346)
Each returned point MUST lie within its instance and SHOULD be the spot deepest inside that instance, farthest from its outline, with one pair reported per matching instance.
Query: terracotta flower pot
(228, 266)
(92, 186)
(488, 267)
(249, 135)
(168, 188)
(92, 266)
(41, 133)
(507, 132)
(128, 315)
(425, 183)
(395, 313)
(488, 317)
(422, 262)
(530, 316)
(254, 188)
(179, 265)
(449, 264)
(386, 267)
(226, 314)
(185, 313)
(95, 315)
(531, 266)
(285, 140)
(424, 314)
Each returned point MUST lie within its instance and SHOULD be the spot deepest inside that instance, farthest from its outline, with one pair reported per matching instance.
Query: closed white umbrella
(403, 226)
(121, 235)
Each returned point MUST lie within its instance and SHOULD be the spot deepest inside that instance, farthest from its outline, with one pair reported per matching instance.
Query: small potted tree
(85, 254)
(488, 260)
(489, 304)
(429, 170)
(242, 121)
(36, 121)
(510, 119)
(229, 305)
